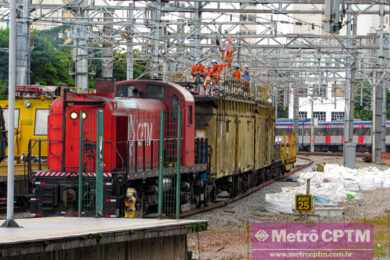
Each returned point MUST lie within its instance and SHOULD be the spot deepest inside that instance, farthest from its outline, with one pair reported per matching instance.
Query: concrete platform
(63, 238)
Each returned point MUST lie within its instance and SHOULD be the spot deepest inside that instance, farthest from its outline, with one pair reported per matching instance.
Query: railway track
(248, 192)
(215, 205)
(358, 154)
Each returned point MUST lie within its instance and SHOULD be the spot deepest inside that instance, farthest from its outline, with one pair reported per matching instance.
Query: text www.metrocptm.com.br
(312, 254)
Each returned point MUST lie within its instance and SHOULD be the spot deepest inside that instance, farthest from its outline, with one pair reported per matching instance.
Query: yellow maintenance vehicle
(31, 114)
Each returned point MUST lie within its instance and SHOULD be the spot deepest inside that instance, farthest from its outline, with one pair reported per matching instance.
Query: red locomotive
(131, 112)
(132, 125)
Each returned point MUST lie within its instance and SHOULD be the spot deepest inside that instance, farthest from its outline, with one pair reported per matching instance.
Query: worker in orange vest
(236, 74)
(198, 71)
(215, 70)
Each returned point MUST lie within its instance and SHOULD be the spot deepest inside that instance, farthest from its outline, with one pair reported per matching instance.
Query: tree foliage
(51, 62)
(4, 54)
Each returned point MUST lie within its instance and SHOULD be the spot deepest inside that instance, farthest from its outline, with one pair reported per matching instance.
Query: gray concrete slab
(38, 229)
(39, 236)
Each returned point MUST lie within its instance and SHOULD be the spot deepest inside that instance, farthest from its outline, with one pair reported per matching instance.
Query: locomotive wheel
(213, 192)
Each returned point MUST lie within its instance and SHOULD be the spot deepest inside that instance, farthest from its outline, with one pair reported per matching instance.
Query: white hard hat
(214, 62)
(236, 65)
(246, 66)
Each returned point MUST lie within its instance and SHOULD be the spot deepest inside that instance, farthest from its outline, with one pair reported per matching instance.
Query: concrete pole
(10, 222)
(23, 43)
(377, 101)
(381, 57)
(349, 148)
(81, 53)
(107, 64)
(129, 56)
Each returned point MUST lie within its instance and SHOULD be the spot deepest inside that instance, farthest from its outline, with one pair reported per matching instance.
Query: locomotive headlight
(84, 115)
(73, 115)
(27, 103)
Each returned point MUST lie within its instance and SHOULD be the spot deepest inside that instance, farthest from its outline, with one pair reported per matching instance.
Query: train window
(338, 131)
(5, 113)
(127, 91)
(154, 91)
(320, 131)
(337, 116)
(321, 116)
(41, 116)
(302, 115)
(360, 131)
(190, 115)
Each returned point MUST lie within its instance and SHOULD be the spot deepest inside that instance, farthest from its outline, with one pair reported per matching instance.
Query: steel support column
(156, 31)
(196, 20)
(130, 34)
(107, 64)
(81, 51)
(23, 43)
(10, 222)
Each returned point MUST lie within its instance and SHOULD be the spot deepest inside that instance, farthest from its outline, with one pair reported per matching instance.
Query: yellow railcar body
(288, 150)
(30, 124)
(240, 134)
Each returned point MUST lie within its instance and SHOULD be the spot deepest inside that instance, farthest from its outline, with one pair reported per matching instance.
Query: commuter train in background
(329, 136)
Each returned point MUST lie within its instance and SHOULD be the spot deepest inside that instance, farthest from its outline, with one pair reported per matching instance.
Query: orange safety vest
(198, 69)
(228, 56)
(215, 71)
(236, 74)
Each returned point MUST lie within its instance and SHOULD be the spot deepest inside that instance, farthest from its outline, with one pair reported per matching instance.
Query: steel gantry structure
(282, 41)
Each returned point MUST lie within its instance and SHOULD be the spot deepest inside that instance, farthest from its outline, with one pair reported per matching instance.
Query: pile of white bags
(331, 187)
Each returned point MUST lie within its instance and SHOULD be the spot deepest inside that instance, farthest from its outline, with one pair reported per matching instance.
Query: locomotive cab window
(127, 91)
(41, 116)
(154, 91)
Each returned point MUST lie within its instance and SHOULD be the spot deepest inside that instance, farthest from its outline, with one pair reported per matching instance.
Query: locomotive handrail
(31, 144)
